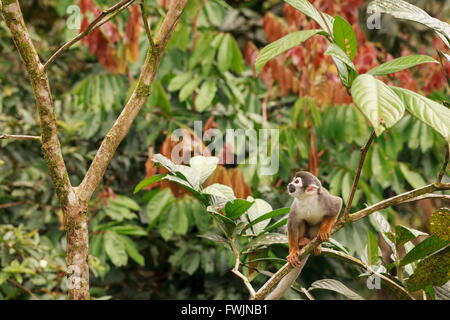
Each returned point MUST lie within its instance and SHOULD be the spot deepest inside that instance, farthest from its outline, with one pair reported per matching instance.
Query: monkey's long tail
(286, 282)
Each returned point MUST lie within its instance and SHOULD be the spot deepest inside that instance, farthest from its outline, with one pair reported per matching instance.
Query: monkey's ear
(312, 188)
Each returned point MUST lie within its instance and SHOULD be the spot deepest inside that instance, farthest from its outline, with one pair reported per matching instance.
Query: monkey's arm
(296, 231)
(325, 228)
(334, 207)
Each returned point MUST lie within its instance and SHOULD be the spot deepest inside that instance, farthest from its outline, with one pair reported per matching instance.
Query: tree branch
(401, 198)
(20, 137)
(147, 28)
(362, 158)
(20, 286)
(51, 146)
(236, 271)
(120, 128)
(430, 196)
(101, 19)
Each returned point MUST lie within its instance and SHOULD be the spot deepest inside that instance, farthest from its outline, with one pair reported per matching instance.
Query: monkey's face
(300, 188)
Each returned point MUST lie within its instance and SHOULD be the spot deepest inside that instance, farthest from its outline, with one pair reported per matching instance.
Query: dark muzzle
(291, 188)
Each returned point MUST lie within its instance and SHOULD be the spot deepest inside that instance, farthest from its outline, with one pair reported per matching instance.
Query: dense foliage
(172, 235)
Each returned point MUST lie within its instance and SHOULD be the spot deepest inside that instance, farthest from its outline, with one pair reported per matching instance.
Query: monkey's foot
(324, 235)
(293, 259)
(317, 250)
(303, 242)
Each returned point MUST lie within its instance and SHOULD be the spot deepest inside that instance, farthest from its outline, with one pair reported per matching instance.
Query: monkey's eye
(296, 181)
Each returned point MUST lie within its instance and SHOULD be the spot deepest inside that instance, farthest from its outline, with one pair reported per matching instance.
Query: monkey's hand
(293, 258)
(325, 228)
(324, 235)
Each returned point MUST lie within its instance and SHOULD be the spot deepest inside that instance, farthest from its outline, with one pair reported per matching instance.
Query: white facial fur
(299, 191)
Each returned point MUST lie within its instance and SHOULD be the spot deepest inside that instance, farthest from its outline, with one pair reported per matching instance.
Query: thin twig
(430, 196)
(401, 198)
(444, 166)
(147, 29)
(19, 137)
(11, 204)
(240, 274)
(362, 158)
(18, 285)
(101, 19)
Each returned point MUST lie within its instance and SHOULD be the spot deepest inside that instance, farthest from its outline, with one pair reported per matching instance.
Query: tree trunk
(75, 201)
(76, 226)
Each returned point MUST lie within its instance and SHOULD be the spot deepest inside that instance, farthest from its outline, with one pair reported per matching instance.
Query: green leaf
(282, 45)
(115, 249)
(346, 186)
(237, 61)
(259, 208)
(432, 113)
(400, 64)
(179, 81)
(220, 190)
(156, 205)
(336, 286)
(190, 263)
(203, 166)
(234, 209)
(413, 178)
(380, 222)
(149, 181)
(224, 55)
(185, 175)
(440, 224)
(372, 248)
(324, 20)
(126, 202)
(165, 162)
(206, 95)
(266, 240)
(214, 237)
(424, 249)
(129, 229)
(403, 235)
(335, 51)
(274, 213)
(345, 36)
(434, 270)
(132, 250)
(162, 100)
(189, 88)
(346, 73)
(228, 225)
(274, 226)
(180, 220)
(377, 102)
(118, 212)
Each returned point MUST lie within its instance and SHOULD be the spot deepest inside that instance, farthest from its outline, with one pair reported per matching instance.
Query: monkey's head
(303, 184)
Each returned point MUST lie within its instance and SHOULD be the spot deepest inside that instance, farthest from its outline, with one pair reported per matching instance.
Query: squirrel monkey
(313, 213)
